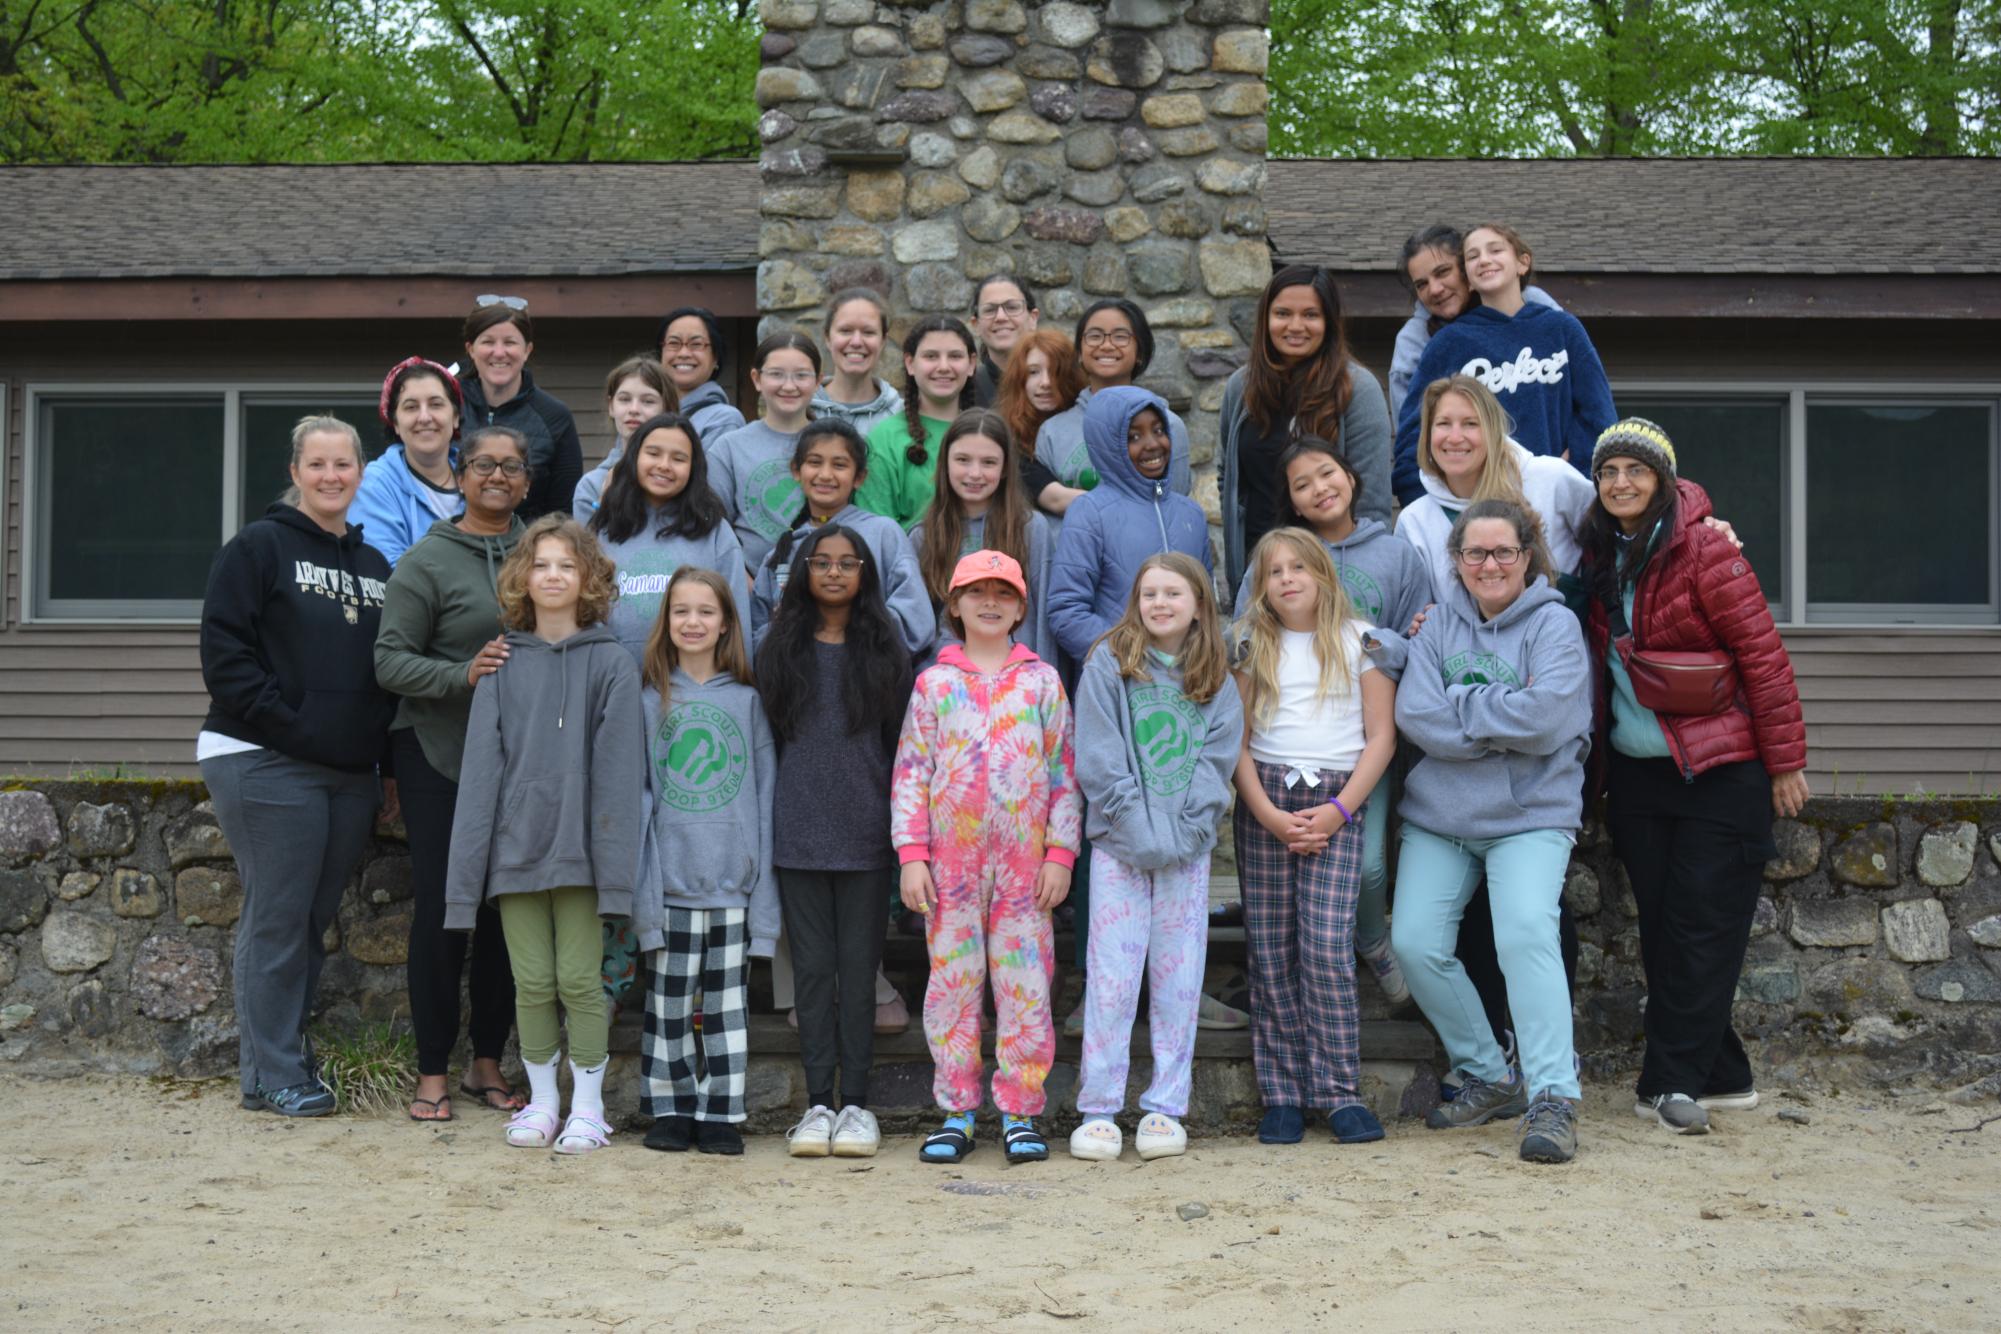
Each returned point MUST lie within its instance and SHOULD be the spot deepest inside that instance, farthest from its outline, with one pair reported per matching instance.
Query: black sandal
(956, 1143)
(1024, 1143)
(485, 1095)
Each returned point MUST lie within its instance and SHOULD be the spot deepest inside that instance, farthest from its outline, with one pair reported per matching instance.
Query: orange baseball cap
(979, 565)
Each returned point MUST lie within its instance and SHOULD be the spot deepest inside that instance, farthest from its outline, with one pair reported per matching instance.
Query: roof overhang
(1844, 296)
(620, 296)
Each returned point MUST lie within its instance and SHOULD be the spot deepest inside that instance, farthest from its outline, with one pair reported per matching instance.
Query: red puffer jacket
(1698, 593)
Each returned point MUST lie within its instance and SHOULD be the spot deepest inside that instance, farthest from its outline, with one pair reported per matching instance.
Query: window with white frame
(131, 490)
(1856, 504)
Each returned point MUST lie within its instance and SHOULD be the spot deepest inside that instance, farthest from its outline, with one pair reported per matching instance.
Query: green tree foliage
(1479, 78)
(362, 80)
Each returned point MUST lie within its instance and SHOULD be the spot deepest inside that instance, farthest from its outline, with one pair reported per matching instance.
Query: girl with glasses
(691, 351)
(835, 679)
(1004, 313)
(750, 464)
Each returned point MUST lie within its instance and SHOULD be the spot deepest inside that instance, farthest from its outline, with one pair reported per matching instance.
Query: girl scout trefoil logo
(1167, 732)
(699, 758)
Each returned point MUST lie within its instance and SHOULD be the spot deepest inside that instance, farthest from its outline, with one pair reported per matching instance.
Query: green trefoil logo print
(699, 758)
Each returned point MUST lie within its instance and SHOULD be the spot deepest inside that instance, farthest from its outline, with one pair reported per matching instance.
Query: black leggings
(437, 957)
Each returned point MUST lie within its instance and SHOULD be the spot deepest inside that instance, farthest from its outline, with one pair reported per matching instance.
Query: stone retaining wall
(1089, 149)
(1876, 957)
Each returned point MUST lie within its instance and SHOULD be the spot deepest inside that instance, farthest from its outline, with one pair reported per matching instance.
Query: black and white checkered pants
(708, 951)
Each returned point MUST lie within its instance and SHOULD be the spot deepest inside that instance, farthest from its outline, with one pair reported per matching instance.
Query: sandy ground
(137, 1204)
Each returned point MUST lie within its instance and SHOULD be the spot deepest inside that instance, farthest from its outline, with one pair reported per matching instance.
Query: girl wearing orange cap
(985, 817)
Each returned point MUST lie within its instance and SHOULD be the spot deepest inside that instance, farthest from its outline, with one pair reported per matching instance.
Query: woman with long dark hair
(1695, 781)
(1301, 380)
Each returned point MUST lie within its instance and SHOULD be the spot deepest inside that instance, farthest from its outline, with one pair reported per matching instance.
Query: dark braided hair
(918, 452)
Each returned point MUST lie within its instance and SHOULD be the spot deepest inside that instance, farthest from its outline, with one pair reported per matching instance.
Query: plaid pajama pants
(708, 951)
(1299, 927)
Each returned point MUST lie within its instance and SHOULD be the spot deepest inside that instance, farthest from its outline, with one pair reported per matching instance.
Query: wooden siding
(96, 697)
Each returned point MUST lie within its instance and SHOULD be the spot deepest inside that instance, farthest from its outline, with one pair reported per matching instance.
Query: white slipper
(1096, 1141)
(1159, 1136)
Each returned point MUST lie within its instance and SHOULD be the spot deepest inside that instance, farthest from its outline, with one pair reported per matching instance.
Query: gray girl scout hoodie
(1153, 765)
(711, 768)
(1502, 711)
(548, 790)
(1385, 586)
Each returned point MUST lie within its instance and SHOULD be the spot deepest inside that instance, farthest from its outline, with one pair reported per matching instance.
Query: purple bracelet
(1335, 802)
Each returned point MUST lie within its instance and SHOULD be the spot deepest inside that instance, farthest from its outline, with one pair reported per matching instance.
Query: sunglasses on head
(493, 299)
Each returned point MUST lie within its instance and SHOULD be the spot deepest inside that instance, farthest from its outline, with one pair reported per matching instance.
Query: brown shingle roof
(1656, 215)
(1680, 215)
(374, 220)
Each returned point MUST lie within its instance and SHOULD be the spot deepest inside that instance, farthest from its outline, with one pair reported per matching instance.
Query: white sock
(542, 1091)
(587, 1090)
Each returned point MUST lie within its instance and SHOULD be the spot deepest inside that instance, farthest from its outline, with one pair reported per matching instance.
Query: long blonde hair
(1205, 664)
(657, 664)
(1262, 627)
(1501, 473)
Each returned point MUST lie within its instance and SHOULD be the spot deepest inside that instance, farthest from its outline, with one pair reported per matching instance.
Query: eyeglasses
(786, 377)
(671, 345)
(1474, 557)
(1011, 309)
(486, 466)
(827, 564)
(1612, 472)
(1120, 338)
(490, 299)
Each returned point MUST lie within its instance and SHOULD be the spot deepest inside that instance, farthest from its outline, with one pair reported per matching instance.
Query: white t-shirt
(1309, 731)
(214, 745)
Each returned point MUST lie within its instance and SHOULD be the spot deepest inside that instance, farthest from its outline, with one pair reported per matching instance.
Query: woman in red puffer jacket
(1692, 796)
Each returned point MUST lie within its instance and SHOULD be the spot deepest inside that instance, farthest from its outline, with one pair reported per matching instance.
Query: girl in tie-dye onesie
(986, 819)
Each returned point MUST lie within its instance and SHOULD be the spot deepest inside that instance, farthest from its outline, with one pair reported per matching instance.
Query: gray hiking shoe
(1675, 1111)
(1549, 1131)
(1479, 1102)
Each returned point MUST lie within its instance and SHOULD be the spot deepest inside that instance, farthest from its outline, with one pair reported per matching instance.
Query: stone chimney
(1108, 149)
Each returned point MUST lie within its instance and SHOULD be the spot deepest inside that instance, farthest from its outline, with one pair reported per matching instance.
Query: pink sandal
(583, 1133)
(533, 1127)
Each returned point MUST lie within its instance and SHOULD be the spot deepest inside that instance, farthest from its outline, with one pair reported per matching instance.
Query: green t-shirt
(895, 487)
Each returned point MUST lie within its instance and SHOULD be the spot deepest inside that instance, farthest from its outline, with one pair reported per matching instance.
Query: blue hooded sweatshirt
(397, 507)
(1502, 711)
(1415, 336)
(1110, 530)
(1539, 362)
(1060, 446)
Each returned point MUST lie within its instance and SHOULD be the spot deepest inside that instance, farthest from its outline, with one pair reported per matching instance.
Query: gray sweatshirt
(646, 562)
(1385, 586)
(710, 770)
(1502, 711)
(549, 792)
(1153, 765)
(1034, 630)
(903, 590)
(862, 416)
(751, 469)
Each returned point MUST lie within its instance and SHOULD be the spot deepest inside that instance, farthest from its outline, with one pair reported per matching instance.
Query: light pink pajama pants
(1156, 924)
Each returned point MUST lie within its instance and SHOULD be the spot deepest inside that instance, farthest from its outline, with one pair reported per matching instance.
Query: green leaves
(1484, 78)
(400, 80)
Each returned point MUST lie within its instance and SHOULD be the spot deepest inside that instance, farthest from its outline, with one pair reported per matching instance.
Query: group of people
(966, 641)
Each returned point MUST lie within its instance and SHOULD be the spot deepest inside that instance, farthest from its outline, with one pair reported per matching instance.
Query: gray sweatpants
(298, 830)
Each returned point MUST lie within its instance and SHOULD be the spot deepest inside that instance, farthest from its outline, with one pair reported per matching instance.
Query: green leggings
(556, 944)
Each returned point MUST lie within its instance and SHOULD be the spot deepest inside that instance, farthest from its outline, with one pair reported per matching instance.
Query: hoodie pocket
(343, 729)
(541, 822)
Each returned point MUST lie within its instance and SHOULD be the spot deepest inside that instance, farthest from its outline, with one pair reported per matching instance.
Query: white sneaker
(1159, 1136)
(1098, 1140)
(856, 1135)
(813, 1137)
(1741, 1101)
(1389, 974)
(1212, 1013)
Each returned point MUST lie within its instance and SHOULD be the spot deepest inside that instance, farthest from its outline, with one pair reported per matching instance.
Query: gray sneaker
(1479, 1102)
(1675, 1111)
(1549, 1131)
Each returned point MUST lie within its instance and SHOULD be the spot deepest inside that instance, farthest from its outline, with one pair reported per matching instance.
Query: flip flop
(485, 1095)
(441, 1103)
